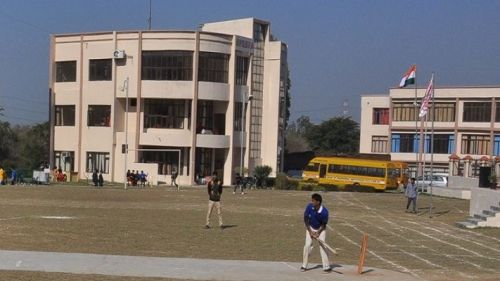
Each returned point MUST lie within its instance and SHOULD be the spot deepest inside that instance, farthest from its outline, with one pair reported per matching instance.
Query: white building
(186, 91)
(466, 128)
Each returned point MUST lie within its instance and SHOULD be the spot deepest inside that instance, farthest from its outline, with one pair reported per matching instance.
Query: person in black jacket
(214, 189)
(95, 178)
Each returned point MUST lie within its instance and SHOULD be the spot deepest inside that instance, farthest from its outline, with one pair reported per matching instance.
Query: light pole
(125, 88)
(243, 125)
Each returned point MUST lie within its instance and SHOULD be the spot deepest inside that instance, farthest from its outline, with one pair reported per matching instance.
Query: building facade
(193, 102)
(465, 134)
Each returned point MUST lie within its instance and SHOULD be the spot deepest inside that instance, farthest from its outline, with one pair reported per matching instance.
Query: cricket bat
(323, 243)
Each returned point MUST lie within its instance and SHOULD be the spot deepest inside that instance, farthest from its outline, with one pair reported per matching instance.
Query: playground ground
(262, 225)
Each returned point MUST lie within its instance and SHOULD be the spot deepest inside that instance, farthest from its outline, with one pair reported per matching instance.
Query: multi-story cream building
(466, 128)
(187, 101)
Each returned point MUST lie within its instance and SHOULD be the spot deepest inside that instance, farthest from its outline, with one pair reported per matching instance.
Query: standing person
(174, 178)
(238, 183)
(95, 178)
(315, 220)
(214, 188)
(411, 194)
(100, 179)
(2, 176)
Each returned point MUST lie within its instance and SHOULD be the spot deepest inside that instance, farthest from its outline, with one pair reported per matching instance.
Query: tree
(34, 146)
(295, 135)
(8, 140)
(334, 136)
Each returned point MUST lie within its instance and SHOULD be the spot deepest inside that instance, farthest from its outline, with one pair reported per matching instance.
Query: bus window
(322, 171)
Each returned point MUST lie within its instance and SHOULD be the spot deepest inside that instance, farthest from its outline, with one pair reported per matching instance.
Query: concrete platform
(184, 268)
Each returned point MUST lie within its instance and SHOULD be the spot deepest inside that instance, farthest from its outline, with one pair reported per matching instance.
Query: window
(100, 70)
(205, 115)
(497, 115)
(99, 115)
(443, 144)
(238, 117)
(404, 143)
(380, 116)
(65, 115)
(475, 144)
(213, 67)
(404, 112)
(312, 167)
(242, 64)
(477, 112)
(379, 144)
(167, 65)
(356, 170)
(167, 161)
(66, 71)
(98, 161)
(496, 145)
(165, 114)
(445, 112)
(204, 161)
(64, 160)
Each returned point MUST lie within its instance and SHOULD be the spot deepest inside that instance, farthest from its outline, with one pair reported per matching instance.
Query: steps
(488, 218)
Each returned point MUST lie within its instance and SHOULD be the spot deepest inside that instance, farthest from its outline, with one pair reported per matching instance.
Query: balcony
(208, 140)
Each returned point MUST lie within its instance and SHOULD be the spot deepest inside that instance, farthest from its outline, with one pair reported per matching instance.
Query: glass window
(404, 112)
(380, 116)
(65, 115)
(379, 144)
(167, 65)
(205, 116)
(242, 65)
(164, 114)
(312, 167)
(64, 160)
(477, 112)
(238, 117)
(97, 161)
(442, 144)
(66, 71)
(99, 115)
(475, 144)
(445, 112)
(213, 67)
(167, 161)
(100, 70)
(497, 115)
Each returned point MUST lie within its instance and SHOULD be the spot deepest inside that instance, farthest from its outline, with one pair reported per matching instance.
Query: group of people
(136, 177)
(315, 220)
(4, 178)
(97, 178)
(59, 175)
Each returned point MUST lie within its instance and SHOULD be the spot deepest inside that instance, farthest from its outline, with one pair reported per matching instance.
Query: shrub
(293, 184)
(262, 174)
(281, 181)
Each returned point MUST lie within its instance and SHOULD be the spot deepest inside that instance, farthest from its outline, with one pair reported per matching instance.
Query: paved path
(183, 268)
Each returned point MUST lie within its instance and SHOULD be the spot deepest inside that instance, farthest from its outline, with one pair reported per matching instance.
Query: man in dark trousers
(95, 178)
(174, 178)
(315, 220)
(411, 194)
(214, 189)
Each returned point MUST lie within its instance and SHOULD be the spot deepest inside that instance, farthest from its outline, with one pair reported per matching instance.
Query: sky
(337, 50)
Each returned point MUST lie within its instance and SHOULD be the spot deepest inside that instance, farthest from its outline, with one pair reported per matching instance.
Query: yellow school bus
(362, 173)
(401, 172)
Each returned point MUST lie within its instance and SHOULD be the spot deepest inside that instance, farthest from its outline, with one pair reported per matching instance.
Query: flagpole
(417, 163)
(432, 141)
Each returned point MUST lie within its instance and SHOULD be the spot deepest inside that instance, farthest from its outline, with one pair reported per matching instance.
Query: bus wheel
(356, 187)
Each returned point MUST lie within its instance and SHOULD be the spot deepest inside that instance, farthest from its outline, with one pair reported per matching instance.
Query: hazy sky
(338, 50)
